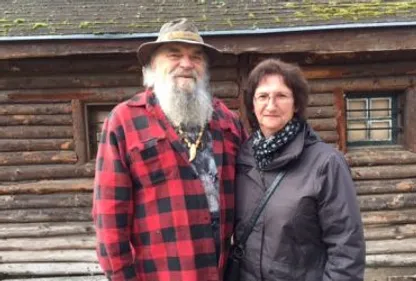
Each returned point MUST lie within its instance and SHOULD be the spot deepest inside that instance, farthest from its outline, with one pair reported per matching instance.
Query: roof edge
(124, 36)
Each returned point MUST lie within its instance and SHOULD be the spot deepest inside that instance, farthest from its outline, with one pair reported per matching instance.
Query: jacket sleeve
(113, 205)
(340, 219)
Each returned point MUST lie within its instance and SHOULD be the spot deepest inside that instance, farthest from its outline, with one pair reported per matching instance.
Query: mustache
(183, 73)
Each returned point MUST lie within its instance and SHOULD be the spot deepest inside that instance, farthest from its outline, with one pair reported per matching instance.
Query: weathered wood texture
(391, 260)
(36, 144)
(45, 215)
(35, 109)
(79, 131)
(340, 119)
(67, 255)
(405, 216)
(391, 246)
(35, 132)
(410, 119)
(42, 230)
(9, 120)
(49, 243)
(402, 278)
(38, 172)
(27, 201)
(49, 269)
(374, 157)
(384, 172)
(386, 186)
(387, 201)
(48, 186)
(372, 232)
(37, 157)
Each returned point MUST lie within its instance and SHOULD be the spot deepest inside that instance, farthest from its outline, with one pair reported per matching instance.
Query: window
(96, 114)
(372, 119)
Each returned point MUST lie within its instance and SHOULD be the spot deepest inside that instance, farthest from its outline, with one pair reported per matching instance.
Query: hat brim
(145, 51)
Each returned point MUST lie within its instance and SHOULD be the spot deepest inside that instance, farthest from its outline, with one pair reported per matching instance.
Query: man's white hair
(183, 107)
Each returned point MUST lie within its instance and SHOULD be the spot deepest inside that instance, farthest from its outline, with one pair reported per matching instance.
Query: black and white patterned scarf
(264, 149)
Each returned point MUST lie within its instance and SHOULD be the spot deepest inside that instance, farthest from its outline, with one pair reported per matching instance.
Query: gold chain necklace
(192, 146)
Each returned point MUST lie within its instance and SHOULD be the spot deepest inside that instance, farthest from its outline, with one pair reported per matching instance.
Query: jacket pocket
(284, 272)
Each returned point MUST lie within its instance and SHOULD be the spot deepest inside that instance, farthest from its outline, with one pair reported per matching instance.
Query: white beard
(188, 105)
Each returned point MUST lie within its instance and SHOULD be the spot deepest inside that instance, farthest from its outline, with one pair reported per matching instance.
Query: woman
(311, 227)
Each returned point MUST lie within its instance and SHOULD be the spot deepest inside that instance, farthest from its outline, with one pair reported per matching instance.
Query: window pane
(357, 131)
(380, 103)
(357, 104)
(380, 134)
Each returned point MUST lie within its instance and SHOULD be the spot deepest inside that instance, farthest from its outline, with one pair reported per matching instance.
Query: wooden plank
(389, 232)
(45, 215)
(387, 201)
(341, 122)
(321, 99)
(389, 217)
(49, 172)
(36, 145)
(37, 157)
(79, 130)
(35, 132)
(224, 89)
(391, 246)
(374, 157)
(116, 95)
(363, 84)
(48, 186)
(66, 278)
(402, 278)
(223, 74)
(35, 109)
(410, 119)
(72, 242)
(67, 255)
(359, 70)
(328, 136)
(328, 124)
(49, 269)
(392, 260)
(38, 201)
(42, 230)
(320, 112)
(383, 172)
(11, 120)
(386, 186)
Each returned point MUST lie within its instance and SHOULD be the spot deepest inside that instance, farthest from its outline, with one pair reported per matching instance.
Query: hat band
(181, 35)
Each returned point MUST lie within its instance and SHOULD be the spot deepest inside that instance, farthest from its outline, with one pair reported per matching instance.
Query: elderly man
(164, 184)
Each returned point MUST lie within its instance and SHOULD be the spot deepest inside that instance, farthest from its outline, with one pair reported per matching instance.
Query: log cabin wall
(46, 172)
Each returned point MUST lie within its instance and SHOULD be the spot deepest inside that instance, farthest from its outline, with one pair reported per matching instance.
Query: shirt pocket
(152, 162)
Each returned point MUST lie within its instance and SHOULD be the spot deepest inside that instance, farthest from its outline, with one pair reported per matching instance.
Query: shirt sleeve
(113, 205)
(341, 223)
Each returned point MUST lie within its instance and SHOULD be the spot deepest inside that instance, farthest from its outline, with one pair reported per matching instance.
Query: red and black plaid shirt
(150, 209)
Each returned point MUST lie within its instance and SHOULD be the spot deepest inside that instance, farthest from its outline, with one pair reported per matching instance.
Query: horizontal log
(387, 202)
(392, 260)
(49, 269)
(402, 278)
(49, 172)
(233, 104)
(363, 84)
(24, 230)
(58, 200)
(329, 136)
(67, 255)
(329, 124)
(11, 120)
(367, 157)
(35, 132)
(360, 70)
(73, 242)
(389, 217)
(48, 186)
(37, 157)
(223, 74)
(390, 232)
(384, 273)
(66, 278)
(321, 99)
(391, 246)
(383, 172)
(320, 112)
(36, 145)
(35, 109)
(45, 215)
(226, 89)
(386, 186)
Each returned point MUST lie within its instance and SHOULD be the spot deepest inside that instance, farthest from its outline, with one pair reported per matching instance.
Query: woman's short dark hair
(293, 78)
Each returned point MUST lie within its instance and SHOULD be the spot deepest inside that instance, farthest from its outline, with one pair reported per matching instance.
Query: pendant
(192, 152)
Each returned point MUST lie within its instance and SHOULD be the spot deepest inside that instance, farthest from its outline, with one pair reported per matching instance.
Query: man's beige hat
(181, 31)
